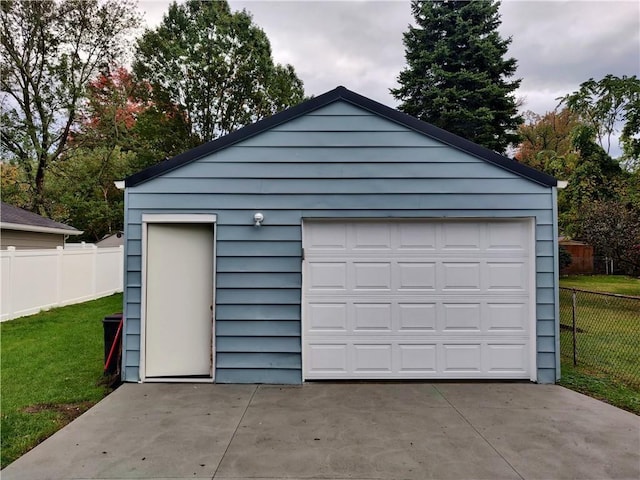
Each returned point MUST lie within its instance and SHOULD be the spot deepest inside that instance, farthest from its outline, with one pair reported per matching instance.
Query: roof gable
(335, 95)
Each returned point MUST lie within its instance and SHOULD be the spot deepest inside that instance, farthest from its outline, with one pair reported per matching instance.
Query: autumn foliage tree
(49, 51)
(547, 142)
(114, 103)
(123, 111)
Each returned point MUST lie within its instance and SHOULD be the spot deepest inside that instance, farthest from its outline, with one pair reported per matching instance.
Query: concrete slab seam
(235, 431)
(478, 432)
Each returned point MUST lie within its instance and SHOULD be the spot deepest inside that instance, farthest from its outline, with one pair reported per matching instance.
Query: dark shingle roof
(18, 216)
(341, 93)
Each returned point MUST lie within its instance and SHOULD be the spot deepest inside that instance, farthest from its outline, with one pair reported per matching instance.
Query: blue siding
(395, 167)
(339, 161)
(261, 264)
(280, 328)
(259, 375)
(258, 312)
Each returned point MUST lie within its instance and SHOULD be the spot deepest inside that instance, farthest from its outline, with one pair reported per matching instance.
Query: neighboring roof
(112, 240)
(341, 93)
(14, 218)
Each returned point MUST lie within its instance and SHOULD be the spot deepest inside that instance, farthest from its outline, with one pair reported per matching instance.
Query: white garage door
(417, 299)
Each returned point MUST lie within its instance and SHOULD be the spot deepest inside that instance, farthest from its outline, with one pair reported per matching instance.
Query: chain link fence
(601, 333)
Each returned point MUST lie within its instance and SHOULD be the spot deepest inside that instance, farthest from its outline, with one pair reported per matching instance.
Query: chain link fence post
(575, 328)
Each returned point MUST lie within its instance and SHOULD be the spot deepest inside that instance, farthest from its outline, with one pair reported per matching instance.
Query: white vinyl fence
(34, 280)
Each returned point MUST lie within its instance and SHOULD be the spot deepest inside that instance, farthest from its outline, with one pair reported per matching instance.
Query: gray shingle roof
(19, 216)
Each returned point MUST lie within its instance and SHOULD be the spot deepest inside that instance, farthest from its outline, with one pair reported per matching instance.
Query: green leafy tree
(48, 52)
(596, 178)
(457, 76)
(611, 106)
(613, 228)
(564, 257)
(215, 65)
(84, 192)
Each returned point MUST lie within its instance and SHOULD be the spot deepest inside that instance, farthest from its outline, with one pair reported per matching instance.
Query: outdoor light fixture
(258, 218)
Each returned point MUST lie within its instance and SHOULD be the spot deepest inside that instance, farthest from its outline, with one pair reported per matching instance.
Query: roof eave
(39, 229)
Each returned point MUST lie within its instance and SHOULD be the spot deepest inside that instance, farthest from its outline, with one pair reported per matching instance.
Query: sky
(358, 43)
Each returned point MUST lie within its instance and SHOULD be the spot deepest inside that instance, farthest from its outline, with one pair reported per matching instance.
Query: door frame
(175, 218)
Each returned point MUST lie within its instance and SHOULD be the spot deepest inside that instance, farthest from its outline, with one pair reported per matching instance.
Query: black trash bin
(112, 353)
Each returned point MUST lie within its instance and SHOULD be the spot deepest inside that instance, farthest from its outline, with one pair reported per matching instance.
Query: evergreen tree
(456, 76)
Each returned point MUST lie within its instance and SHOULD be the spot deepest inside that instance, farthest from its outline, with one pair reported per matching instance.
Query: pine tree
(456, 76)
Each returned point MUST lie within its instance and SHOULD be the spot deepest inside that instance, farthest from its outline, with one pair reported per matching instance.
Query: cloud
(355, 44)
(358, 44)
(562, 44)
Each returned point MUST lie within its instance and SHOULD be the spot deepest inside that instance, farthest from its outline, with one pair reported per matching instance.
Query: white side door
(179, 298)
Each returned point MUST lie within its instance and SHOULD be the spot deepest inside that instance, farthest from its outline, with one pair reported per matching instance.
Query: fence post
(94, 270)
(575, 329)
(121, 264)
(8, 289)
(59, 275)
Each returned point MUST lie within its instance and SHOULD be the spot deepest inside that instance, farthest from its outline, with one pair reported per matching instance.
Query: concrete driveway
(342, 430)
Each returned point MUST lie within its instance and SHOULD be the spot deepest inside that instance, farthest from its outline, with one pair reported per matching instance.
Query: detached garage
(340, 239)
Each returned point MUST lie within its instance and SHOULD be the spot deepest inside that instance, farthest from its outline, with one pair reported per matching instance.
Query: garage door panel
(461, 276)
(372, 358)
(410, 359)
(506, 317)
(413, 314)
(331, 237)
(421, 299)
(370, 236)
(417, 317)
(460, 358)
(371, 276)
(461, 236)
(506, 276)
(417, 359)
(461, 317)
(372, 316)
(413, 237)
(507, 358)
(327, 276)
(416, 276)
(328, 358)
(327, 316)
(502, 236)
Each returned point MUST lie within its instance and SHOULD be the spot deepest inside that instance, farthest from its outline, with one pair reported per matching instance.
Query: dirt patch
(66, 411)
(569, 328)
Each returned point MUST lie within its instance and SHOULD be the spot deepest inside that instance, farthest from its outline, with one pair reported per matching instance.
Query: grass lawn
(51, 371)
(600, 386)
(603, 283)
(607, 339)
